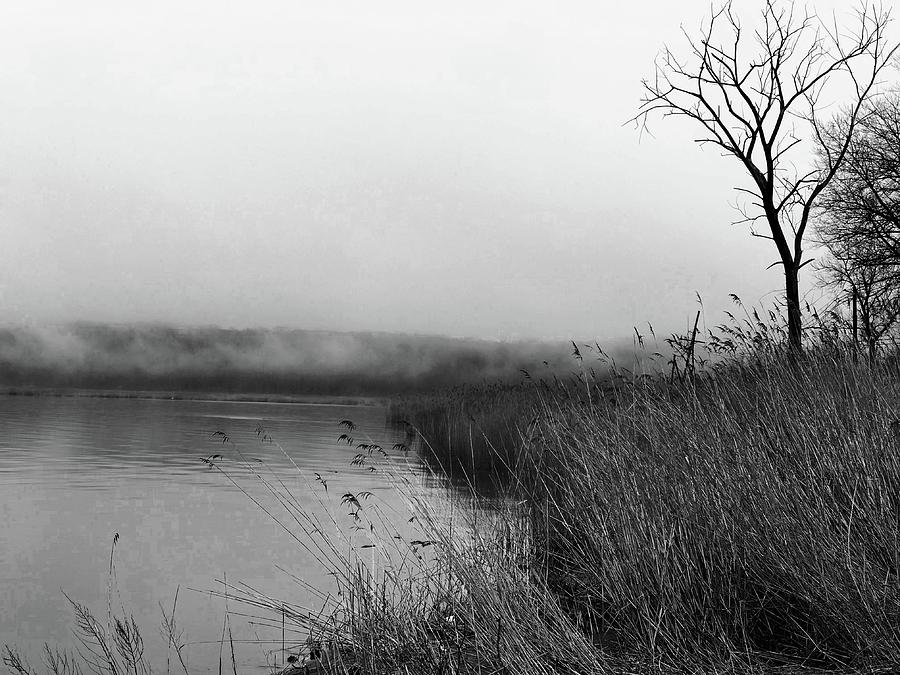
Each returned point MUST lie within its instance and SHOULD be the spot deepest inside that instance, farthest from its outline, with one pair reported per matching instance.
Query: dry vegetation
(745, 519)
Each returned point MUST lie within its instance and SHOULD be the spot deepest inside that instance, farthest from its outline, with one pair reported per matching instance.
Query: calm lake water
(76, 471)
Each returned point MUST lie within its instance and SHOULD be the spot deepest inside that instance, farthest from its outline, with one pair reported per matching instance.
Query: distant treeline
(278, 361)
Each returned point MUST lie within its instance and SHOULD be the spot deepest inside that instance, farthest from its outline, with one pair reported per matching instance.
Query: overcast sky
(440, 167)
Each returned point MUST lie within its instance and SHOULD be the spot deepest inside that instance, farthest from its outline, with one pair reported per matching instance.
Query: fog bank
(265, 361)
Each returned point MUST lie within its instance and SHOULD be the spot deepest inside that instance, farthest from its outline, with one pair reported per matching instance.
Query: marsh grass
(741, 516)
(751, 518)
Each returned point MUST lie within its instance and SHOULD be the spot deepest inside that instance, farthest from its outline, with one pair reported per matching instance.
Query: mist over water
(271, 361)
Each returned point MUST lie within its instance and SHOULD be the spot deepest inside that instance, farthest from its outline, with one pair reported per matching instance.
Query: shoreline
(199, 396)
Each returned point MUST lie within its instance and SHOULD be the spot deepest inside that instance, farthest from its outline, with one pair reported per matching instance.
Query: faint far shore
(305, 399)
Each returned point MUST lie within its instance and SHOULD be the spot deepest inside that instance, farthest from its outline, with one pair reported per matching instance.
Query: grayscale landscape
(449, 338)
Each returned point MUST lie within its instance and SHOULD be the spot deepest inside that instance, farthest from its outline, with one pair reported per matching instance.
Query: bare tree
(756, 95)
(859, 218)
(859, 211)
(871, 291)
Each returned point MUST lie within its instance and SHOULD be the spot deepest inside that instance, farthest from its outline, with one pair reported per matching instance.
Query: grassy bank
(743, 520)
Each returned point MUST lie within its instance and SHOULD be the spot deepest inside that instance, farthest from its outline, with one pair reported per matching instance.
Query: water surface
(76, 471)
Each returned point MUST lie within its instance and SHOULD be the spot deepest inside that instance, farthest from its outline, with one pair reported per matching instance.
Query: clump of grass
(453, 594)
(115, 648)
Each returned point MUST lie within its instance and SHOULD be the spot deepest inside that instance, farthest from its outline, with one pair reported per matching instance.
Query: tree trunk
(869, 331)
(792, 295)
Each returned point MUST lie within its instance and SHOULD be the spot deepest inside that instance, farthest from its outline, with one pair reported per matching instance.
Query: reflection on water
(75, 471)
